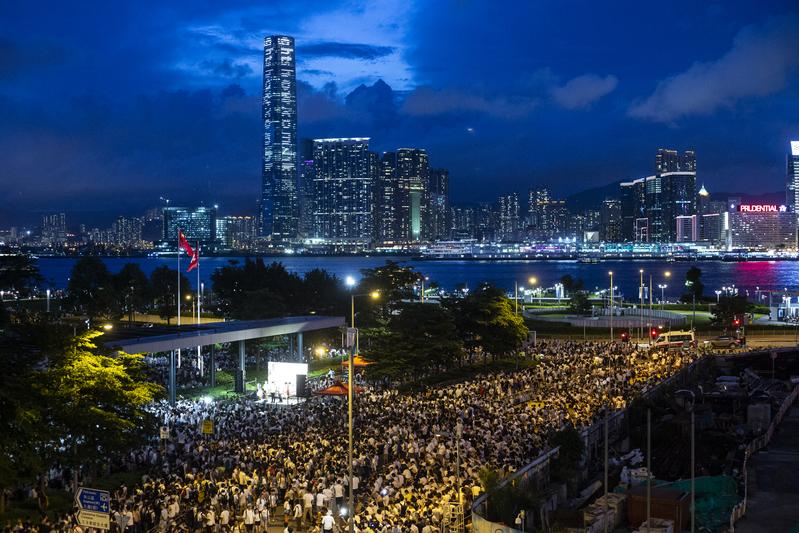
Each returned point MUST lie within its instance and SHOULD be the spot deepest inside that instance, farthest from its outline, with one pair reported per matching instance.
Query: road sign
(96, 500)
(208, 427)
(95, 520)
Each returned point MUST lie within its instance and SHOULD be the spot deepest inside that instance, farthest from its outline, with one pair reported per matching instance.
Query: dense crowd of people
(287, 466)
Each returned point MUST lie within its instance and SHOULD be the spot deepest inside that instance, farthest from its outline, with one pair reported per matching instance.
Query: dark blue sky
(106, 106)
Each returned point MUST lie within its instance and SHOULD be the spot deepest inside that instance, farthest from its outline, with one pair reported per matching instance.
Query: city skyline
(191, 136)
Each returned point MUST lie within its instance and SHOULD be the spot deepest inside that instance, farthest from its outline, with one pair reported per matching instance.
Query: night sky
(107, 106)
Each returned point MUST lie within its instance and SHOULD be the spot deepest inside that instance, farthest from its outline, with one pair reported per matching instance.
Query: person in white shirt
(327, 522)
(249, 518)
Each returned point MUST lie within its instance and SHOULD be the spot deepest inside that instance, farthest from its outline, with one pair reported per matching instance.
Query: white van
(675, 340)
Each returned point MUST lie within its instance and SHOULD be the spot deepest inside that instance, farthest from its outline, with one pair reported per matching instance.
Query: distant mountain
(593, 198)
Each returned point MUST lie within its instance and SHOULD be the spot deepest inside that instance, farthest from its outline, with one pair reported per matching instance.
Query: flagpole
(199, 303)
(179, 290)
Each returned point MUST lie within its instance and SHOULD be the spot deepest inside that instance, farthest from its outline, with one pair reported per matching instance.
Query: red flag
(194, 254)
(185, 244)
(195, 260)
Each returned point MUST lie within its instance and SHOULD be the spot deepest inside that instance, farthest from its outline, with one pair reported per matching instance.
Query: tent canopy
(357, 361)
(337, 389)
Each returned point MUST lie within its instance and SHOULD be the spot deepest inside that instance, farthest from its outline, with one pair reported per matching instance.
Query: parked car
(723, 341)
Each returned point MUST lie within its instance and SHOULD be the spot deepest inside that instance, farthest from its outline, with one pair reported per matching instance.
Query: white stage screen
(282, 377)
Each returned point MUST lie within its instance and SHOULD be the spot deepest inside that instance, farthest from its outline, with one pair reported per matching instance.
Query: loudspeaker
(302, 391)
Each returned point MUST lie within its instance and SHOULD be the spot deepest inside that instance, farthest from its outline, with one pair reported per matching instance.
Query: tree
(323, 293)
(18, 273)
(164, 285)
(132, 289)
(729, 308)
(255, 290)
(62, 400)
(485, 320)
(91, 290)
(694, 288)
(570, 284)
(108, 393)
(419, 338)
(394, 283)
(579, 303)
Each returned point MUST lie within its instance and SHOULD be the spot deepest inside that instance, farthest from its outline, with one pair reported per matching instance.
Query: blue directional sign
(95, 500)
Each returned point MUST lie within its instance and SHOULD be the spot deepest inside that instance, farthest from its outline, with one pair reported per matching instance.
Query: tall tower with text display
(279, 200)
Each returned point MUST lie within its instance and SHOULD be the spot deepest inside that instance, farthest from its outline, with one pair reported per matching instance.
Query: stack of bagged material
(657, 525)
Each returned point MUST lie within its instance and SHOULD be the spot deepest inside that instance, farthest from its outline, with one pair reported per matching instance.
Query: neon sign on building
(762, 208)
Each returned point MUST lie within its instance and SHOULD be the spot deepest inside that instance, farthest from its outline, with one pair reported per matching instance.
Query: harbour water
(752, 276)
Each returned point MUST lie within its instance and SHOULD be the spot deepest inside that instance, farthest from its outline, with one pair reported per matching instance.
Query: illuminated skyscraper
(793, 182)
(279, 202)
(413, 181)
(439, 204)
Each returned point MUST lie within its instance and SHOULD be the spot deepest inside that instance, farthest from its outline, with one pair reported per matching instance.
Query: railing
(753, 447)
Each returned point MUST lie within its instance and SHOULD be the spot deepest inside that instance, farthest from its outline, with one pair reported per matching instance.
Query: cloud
(426, 101)
(227, 68)
(345, 50)
(582, 91)
(758, 64)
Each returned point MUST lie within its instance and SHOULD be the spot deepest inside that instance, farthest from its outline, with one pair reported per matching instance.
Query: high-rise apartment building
(463, 222)
(633, 210)
(508, 217)
(279, 211)
(439, 204)
(54, 229)
(387, 205)
(610, 221)
(344, 176)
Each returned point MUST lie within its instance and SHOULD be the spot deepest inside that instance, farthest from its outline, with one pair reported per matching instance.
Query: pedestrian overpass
(196, 336)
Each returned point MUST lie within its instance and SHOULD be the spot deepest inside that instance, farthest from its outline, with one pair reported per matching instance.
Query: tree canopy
(18, 273)
(164, 287)
(729, 308)
(417, 339)
(694, 288)
(91, 290)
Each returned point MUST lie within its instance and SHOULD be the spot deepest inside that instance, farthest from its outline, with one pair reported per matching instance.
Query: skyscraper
(793, 182)
(198, 224)
(439, 204)
(387, 200)
(279, 202)
(610, 221)
(344, 175)
(413, 181)
(305, 192)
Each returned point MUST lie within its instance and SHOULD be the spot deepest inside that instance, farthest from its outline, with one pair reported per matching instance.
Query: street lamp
(533, 281)
(350, 387)
(718, 295)
(662, 287)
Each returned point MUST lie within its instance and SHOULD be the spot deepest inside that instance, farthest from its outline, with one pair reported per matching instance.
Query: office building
(792, 200)
(439, 204)
(236, 232)
(278, 207)
(761, 226)
(305, 192)
(197, 223)
(610, 221)
(413, 179)
(343, 191)
(508, 220)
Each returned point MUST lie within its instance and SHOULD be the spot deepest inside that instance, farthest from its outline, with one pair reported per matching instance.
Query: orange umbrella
(337, 389)
(356, 361)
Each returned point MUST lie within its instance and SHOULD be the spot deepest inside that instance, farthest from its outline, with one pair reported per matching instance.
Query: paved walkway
(774, 483)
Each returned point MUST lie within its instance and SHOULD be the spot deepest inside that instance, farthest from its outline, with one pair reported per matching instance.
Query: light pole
(718, 296)
(532, 280)
(48, 300)
(611, 305)
(350, 388)
(641, 305)
(662, 287)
